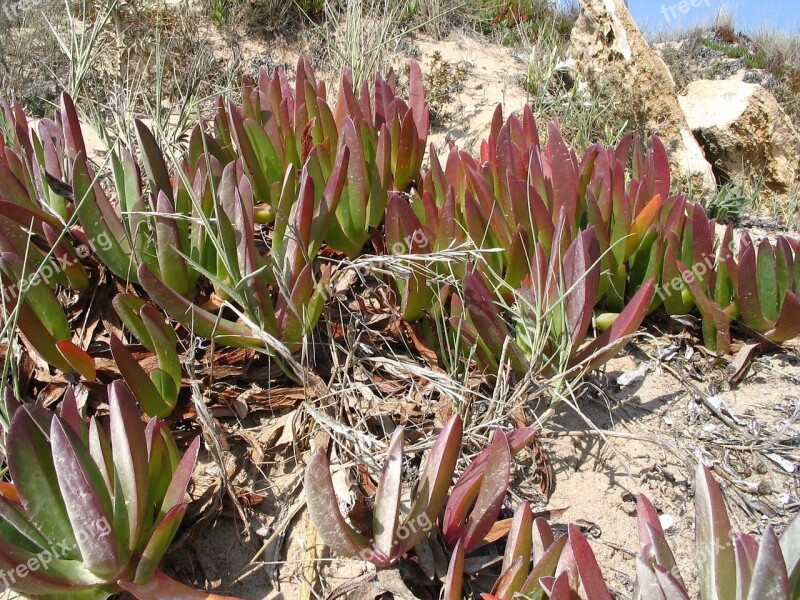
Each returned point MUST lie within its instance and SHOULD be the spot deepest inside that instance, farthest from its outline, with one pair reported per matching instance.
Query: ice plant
(537, 566)
(731, 565)
(90, 511)
(386, 547)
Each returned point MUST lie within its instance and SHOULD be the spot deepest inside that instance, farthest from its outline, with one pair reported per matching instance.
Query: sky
(658, 15)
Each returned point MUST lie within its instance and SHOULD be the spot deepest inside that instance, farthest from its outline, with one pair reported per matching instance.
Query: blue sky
(658, 15)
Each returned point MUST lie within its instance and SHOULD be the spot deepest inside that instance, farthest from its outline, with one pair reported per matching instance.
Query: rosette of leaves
(90, 511)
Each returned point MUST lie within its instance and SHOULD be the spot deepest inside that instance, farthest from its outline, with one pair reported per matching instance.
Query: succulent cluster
(235, 238)
(89, 511)
(535, 563)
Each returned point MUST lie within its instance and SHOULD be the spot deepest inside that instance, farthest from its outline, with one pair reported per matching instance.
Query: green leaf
(143, 388)
(30, 462)
(718, 564)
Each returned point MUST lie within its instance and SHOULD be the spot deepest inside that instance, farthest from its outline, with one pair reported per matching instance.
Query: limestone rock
(611, 52)
(745, 132)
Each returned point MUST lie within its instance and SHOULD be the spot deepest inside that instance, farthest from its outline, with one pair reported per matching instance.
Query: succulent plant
(89, 511)
(731, 565)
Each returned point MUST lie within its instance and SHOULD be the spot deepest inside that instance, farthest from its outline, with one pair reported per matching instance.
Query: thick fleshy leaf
(387, 498)
(323, 506)
(30, 462)
(435, 481)
(745, 550)
(790, 547)
(171, 264)
(181, 477)
(647, 585)
(615, 337)
(770, 580)
(105, 232)
(545, 567)
(489, 500)
(143, 388)
(454, 581)
(87, 500)
(161, 586)
(79, 359)
(158, 544)
(713, 539)
(591, 578)
(652, 534)
(519, 546)
(129, 452)
(194, 318)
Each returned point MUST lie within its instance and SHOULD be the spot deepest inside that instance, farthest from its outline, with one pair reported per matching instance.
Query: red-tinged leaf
(323, 506)
(647, 585)
(518, 547)
(581, 270)
(73, 138)
(164, 341)
(248, 154)
(153, 160)
(748, 289)
(416, 100)
(487, 321)
(545, 566)
(143, 388)
(713, 539)
(564, 176)
(38, 336)
(541, 539)
(661, 168)
(129, 453)
(745, 550)
(387, 498)
(651, 535)
(127, 307)
(661, 552)
(194, 318)
(784, 263)
(409, 154)
(100, 451)
(454, 581)
(559, 588)
(70, 414)
(790, 547)
(159, 543)
(615, 337)
(788, 325)
(161, 586)
(592, 580)
(491, 495)
(673, 589)
(435, 481)
(770, 580)
(79, 359)
(87, 500)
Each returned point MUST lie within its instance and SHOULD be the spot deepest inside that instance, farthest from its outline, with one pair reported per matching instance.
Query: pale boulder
(612, 53)
(745, 132)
